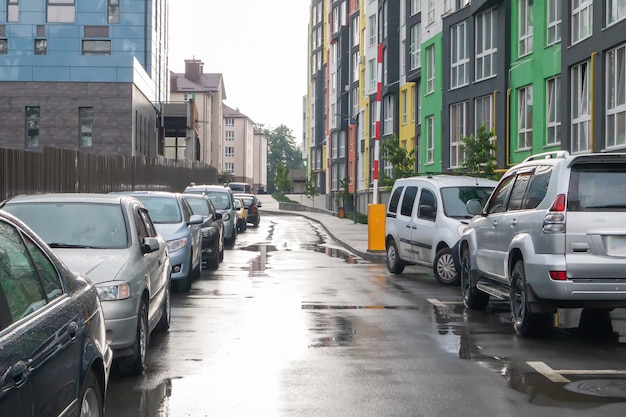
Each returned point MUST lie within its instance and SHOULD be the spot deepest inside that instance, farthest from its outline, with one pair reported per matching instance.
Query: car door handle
(495, 223)
(72, 330)
(19, 372)
(414, 226)
(513, 223)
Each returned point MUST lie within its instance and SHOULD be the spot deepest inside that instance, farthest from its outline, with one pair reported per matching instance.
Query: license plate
(616, 245)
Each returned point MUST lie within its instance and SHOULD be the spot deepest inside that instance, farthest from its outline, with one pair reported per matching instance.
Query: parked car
(175, 221)
(212, 229)
(242, 214)
(240, 187)
(425, 218)
(552, 235)
(222, 199)
(252, 205)
(112, 239)
(54, 356)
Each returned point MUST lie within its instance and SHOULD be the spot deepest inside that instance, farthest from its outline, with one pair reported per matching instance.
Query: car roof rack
(548, 155)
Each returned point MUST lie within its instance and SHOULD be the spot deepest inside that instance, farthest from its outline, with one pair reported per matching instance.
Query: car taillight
(554, 222)
(253, 209)
(558, 275)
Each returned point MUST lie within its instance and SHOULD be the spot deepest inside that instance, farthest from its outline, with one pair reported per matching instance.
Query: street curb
(373, 256)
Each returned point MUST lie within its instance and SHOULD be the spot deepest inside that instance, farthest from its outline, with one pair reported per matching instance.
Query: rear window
(597, 187)
(220, 200)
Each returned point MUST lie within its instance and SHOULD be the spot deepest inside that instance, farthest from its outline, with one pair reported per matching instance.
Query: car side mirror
(474, 207)
(427, 211)
(150, 244)
(218, 216)
(195, 219)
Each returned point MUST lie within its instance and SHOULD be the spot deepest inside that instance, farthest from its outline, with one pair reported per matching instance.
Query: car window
(408, 201)
(538, 187)
(597, 186)
(220, 200)
(427, 208)
(518, 191)
(394, 200)
(454, 199)
(22, 291)
(147, 222)
(497, 202)
(162, 209)
(71, 223)
(48, 274)
(199, 206)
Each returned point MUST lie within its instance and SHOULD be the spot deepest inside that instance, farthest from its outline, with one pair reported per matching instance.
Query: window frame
(580, 107)
(459, 55)
(615, 99)
(553, 21)
(430, 69)
(553, 111)
(85, 125)
(525, 117)
(486, 44)
(459, 121)
(429, 127)
(525, 36)
(60, 9)
(582, 20)
(36, 126)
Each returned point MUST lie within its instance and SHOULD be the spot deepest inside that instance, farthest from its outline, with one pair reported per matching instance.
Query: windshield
(454, 199)
(77, 225)
(162, 209)
(219, 199)
(199, 206)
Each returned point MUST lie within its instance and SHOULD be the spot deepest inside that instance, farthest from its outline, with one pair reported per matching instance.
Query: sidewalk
(352, 236)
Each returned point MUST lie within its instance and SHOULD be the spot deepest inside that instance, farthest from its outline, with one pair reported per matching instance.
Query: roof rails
(547, 155)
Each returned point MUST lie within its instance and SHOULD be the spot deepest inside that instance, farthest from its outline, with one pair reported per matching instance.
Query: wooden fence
(64, 170)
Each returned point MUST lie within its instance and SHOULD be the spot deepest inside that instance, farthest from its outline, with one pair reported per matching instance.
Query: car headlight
(209, 232)
(114, 292)
(176, 245)
(226, 217)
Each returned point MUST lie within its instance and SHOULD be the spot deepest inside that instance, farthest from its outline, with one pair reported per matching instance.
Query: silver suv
(425, 217)
(552, 235)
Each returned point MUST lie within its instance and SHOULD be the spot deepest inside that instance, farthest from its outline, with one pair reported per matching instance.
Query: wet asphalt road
(291, 325)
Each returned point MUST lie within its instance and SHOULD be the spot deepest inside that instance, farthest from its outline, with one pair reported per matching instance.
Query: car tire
(136, 363)
(214, 262)
(525, 323)
(473, 298)
(91, 398)
(166, 315)
(395, 265)
(444, 269)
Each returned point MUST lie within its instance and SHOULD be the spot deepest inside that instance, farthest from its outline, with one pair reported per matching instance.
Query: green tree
(281, 177)
(225, 177)
(480, 152)
(281, 147)
(311, 190)
(402, 160)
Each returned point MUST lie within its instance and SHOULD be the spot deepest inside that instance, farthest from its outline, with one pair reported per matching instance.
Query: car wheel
(166, 314)
(525, 323)
(91, 401)
(395, 265)
(444, 269)
(136, 363)
(214, 262)
(473, 298)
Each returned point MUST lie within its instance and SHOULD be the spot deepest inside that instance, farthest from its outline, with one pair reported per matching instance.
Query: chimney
(193, 69)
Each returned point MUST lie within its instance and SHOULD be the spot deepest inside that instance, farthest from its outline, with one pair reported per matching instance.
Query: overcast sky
(260, 48)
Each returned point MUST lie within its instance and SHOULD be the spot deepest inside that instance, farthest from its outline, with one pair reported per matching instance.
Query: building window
(404, 106)
(371, 30)
(371, 65)
(553, 111)
(389, 111)
(230, 135)
(415, 51)
(483, 113)
(114, 11)
(417, 103)
(416, 6)
(229, 151)
(4, 46)
(554, 21)
(430, 139)
(486, 45)
(459, 113)
(582, 18)
(356, 31)
(13, 10)
(373, 119)
(525, 39)
(229, 121)
(615, 11)
(41, 46)
(616, 97)
(430, 69)
(525, 117)
(431, 12)
(32, 127)
(581, 104)
(96, 47)
(355, 102)
(355, 66)
(229, 167)
(85, 126)
(61, 11)
(459, 56)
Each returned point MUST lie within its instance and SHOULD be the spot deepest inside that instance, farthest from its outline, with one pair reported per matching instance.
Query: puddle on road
(332, 252)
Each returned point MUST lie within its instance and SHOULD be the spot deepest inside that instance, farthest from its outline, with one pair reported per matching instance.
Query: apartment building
(540, 76)
(90, 76)
(239, 131)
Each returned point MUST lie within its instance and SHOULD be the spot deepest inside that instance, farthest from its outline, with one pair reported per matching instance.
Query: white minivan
(425, 218)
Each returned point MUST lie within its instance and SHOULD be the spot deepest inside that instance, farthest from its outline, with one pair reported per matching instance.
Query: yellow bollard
(376, 227)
